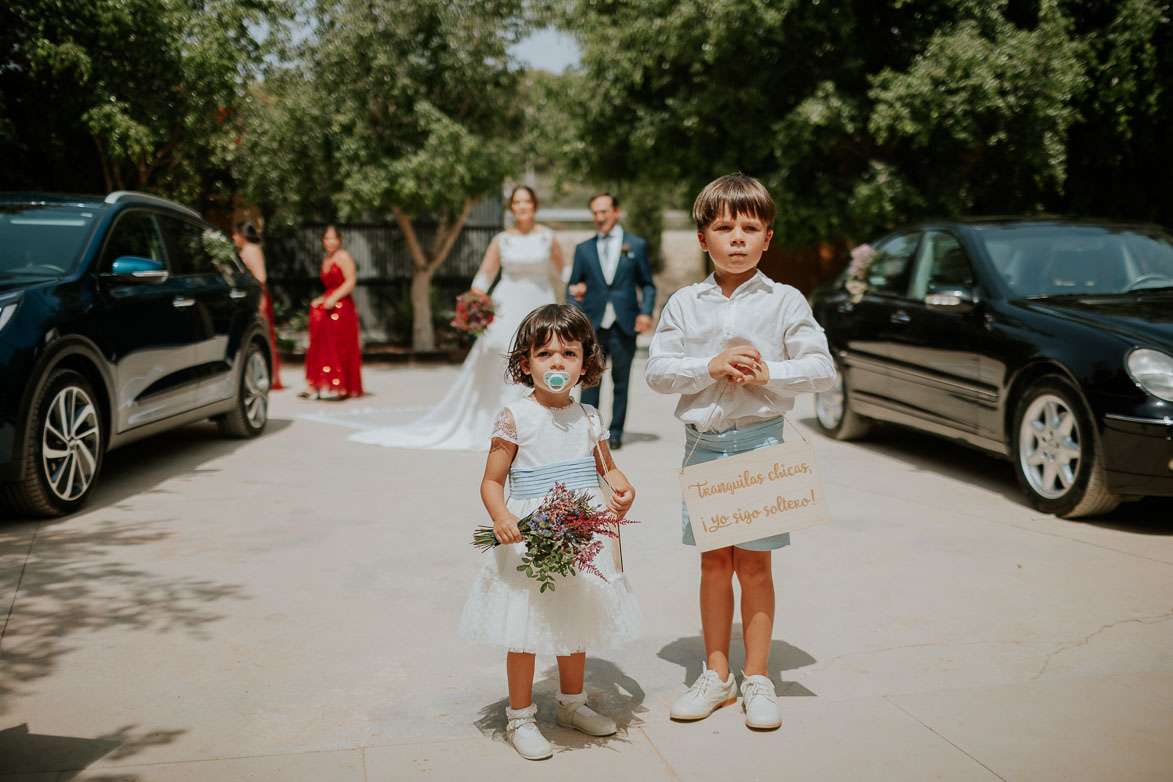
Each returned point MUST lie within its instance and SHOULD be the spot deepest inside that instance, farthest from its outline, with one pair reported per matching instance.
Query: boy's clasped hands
(740, 364)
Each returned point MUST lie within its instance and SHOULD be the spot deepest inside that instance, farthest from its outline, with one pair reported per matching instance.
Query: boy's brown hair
(566, 321)
(738, 193)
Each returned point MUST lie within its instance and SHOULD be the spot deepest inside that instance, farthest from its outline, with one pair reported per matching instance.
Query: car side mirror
(130, 268)
(950, 298)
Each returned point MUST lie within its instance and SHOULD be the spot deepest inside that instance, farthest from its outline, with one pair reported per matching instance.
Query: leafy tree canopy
(400, 106)
(859, 115)
(126, 93)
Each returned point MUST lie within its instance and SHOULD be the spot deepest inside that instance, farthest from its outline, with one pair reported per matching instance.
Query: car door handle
(235, 294)
(181, 302)
(899, 316)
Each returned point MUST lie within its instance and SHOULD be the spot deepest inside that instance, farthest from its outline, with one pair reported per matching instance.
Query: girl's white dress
(463, 418)
(504, 607)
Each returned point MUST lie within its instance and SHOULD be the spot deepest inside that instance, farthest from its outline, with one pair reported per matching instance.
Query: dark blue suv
(119, 317)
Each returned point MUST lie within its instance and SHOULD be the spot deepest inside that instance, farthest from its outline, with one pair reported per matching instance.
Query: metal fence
(382, 294)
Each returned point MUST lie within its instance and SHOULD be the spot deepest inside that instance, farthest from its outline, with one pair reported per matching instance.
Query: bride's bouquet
(564, 532)
(474, 313)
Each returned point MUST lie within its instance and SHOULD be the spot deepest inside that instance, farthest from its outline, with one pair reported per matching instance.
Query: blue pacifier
(556, 379)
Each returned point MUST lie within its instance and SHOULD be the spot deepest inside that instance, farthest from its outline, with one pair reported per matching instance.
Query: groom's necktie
(608, 267)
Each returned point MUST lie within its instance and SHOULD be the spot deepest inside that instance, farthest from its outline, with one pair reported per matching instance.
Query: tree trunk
(423, 335)
(424, 265)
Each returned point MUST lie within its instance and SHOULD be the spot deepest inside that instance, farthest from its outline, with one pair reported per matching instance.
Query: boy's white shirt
(698, 322)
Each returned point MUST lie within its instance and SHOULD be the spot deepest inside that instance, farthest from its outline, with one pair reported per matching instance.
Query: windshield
(1058, 260)
(39, 240)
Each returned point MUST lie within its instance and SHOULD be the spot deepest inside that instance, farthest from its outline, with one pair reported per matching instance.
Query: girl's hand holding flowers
(505, 529)
(622, 496)
(562, 536)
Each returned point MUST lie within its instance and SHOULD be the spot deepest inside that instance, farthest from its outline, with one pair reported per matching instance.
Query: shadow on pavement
(64, 571)
(611, 692)
(689, 653)
(1148, 516)
(140, 466)
(30, 753)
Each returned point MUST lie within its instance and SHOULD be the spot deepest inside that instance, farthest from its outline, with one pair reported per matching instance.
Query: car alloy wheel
(256, 390)
(834, 412)
(1055, 452)
(1049, 446)
(829, 404)
(70, 438)
(251, 411)
(62, 447)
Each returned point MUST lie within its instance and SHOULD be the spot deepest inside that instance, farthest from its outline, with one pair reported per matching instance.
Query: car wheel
(1056, 453)
(251, 412)
(834, 414)
(63, 448)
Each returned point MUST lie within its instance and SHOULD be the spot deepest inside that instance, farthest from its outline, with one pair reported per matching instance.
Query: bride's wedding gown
(463, 419)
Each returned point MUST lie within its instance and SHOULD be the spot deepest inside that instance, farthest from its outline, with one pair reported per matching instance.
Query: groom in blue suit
(611, 281)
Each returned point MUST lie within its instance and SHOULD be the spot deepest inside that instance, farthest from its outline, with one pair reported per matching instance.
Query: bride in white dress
(463, 419)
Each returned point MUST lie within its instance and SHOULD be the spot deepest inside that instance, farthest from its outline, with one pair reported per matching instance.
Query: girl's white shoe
(522, 732)
(574, 713)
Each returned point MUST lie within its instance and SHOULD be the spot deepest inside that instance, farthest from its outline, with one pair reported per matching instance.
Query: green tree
(859, 115)
(116, 94)
(406, 107)
(1119, 142)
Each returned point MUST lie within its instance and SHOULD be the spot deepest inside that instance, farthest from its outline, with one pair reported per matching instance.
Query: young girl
(541, 439)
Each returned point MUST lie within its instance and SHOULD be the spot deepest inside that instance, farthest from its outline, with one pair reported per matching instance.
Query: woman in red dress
(333, 361)
(248, 244)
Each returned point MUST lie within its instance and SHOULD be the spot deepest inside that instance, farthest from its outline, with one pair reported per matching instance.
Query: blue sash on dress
(528, 482)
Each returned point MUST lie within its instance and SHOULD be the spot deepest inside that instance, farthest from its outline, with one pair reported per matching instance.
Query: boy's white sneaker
(760, 702)
(707, 694)
(574, 713)
(522, 732)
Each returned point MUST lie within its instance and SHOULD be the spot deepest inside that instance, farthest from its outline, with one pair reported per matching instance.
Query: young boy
(737, 347)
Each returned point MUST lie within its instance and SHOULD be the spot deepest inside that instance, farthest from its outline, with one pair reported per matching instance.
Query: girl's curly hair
(566, 321)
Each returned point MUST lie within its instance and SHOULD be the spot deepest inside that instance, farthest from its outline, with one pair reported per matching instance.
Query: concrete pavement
(285, 609)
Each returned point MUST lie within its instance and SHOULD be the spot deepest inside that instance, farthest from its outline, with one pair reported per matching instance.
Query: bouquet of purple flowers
(474, 313)
(564, 533)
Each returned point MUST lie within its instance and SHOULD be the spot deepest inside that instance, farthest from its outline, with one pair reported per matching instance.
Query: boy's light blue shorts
(715, 445)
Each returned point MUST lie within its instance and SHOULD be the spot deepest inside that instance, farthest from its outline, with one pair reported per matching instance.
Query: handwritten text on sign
(753, 495)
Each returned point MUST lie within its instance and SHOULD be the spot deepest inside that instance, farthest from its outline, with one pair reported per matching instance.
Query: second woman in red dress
(248, 244)
(333, 360)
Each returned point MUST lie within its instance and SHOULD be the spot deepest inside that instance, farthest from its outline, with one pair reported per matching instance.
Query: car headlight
(8, 305)
(1152, 370)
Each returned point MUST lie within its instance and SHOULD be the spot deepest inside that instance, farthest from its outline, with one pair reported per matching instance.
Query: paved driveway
(284, 609)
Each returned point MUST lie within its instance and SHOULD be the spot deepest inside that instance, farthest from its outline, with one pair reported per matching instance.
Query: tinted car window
(195, 249)
(42, 240)
(888, 269)
(942, 263)
(134, 233)
(1051, 260)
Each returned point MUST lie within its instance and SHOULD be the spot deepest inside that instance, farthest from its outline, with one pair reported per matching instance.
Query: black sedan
(1048, 342)
(120, 317)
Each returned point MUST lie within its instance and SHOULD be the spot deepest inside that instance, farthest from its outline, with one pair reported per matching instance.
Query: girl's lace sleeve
(505, 427)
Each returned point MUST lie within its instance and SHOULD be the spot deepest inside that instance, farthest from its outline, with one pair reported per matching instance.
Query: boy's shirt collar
(709, 285)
